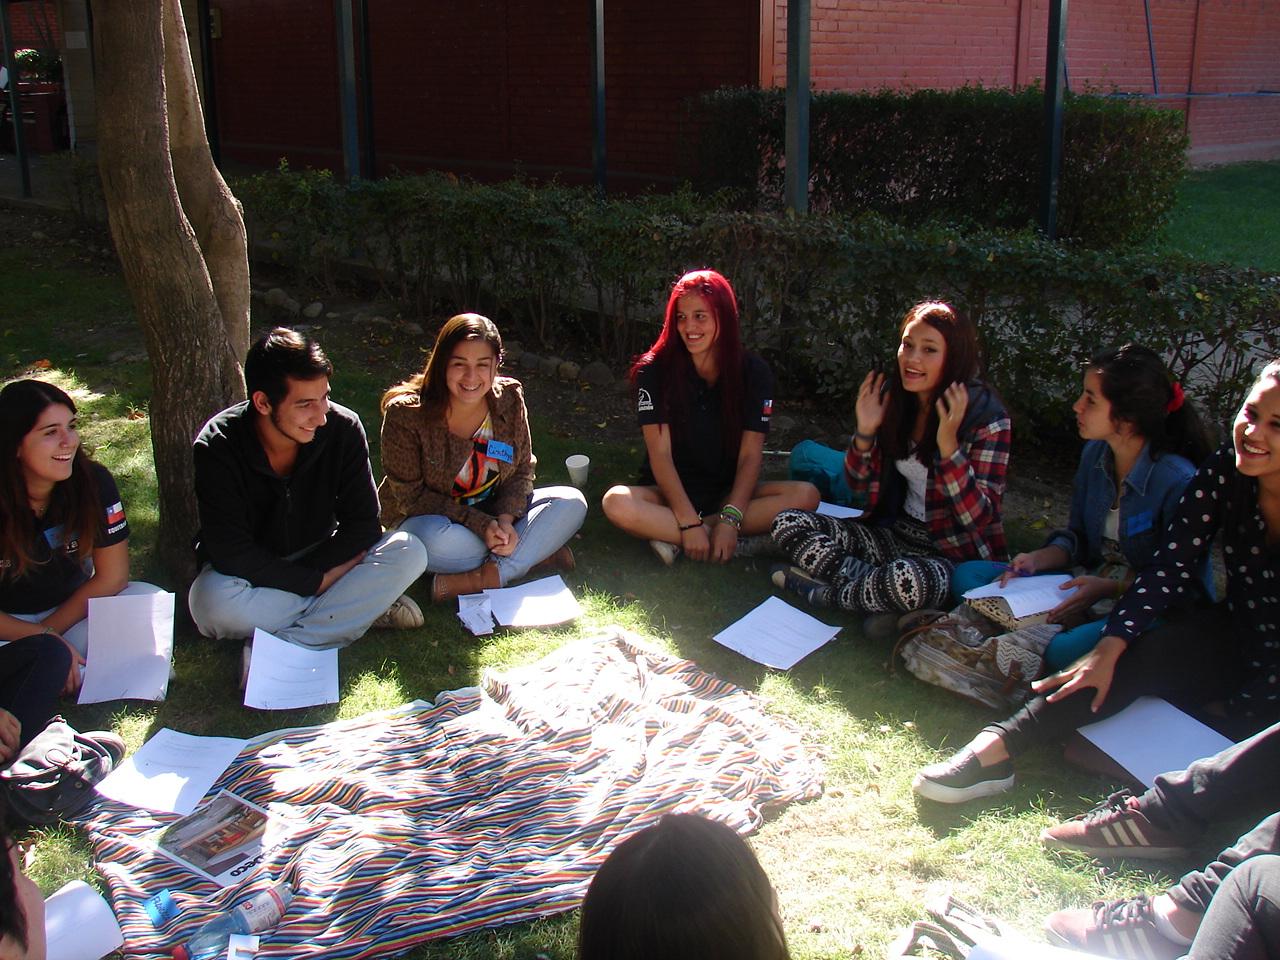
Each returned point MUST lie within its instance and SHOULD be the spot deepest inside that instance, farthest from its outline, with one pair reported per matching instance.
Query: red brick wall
(28, 19)
(486, 87)
(1211, 46)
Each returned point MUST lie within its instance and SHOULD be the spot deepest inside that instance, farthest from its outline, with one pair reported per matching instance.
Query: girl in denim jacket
(1144, 441)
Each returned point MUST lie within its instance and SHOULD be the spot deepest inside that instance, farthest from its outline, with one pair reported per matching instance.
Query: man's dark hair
(280, 354)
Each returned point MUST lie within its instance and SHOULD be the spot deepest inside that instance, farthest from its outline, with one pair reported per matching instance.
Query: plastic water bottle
(260, 912)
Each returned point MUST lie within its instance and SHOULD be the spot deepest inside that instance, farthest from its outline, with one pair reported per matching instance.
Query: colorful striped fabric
(492, 806)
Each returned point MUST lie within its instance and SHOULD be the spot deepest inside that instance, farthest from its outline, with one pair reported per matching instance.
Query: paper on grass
(130, 648)
(1151, 736)
(285, 676)
(79, 924)
(171, 772)
(538, 603)
(476, 613)
(1021, 948)
(776, 634)
(838, 510)
(1027, 595)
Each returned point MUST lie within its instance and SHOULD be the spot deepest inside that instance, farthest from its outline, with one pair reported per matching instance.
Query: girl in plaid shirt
(928, 459)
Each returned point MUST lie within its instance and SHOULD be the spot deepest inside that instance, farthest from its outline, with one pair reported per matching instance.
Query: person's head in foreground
(21, 904)
(1256, 432)
(686, 887)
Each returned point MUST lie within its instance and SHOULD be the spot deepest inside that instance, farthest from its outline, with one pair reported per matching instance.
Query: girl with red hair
(704, 406)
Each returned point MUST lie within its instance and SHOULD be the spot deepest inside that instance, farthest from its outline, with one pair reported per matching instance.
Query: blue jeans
(554, 515)
(226, 607)
(1067, 647)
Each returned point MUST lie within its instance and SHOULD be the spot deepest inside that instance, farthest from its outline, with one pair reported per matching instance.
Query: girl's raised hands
(872, 400)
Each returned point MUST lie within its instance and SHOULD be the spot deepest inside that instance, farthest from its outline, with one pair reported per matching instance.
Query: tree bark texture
(215, 214)
(161, 258)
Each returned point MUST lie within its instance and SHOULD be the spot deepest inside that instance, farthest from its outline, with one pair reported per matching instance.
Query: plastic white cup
(577, 465)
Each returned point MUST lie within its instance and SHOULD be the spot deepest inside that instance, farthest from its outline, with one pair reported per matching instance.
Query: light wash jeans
(554, 515)
(226, 607)
(78, 633)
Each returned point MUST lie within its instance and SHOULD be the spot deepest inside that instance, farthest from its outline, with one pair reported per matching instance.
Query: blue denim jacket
(1151, 491)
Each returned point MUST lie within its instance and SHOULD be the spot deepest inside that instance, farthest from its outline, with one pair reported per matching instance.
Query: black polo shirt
(706, 469)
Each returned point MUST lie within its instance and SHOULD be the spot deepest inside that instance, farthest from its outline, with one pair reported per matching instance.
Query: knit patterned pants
(901, 569)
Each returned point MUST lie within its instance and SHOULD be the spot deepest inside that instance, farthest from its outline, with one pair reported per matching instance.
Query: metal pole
(797, 146)
(1054, 80)
(343, 23)
(15, 104)
(209, 101)
(366, 90)
(1151, 47)
(598, 162)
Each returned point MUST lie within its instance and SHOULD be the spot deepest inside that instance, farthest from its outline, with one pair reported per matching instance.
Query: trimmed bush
(970, 155)
(821, 295)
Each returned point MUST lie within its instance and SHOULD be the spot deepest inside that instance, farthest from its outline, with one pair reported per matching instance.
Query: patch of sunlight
(371, 691)
(134, 725)
(61, 855)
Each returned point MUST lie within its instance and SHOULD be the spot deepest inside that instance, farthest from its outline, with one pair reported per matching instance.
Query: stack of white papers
(538, 603)
(838, 510)
(776, 634)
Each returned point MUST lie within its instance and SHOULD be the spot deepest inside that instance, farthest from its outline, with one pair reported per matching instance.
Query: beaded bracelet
(732, 521)
(730, 510)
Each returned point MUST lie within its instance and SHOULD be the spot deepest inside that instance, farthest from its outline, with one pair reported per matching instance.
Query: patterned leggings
(900, 569)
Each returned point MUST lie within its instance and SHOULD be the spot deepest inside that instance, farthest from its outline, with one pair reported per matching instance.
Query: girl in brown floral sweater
(459, 468)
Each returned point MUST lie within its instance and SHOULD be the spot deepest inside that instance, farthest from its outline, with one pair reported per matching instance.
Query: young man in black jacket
(289, 535)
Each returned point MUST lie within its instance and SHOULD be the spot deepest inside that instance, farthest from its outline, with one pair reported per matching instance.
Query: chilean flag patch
(115, 513)
(767, 409)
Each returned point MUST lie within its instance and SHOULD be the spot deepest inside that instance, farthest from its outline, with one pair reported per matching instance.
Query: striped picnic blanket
(496, 804)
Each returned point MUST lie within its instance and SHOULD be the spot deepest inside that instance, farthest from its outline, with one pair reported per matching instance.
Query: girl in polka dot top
(1221, 662)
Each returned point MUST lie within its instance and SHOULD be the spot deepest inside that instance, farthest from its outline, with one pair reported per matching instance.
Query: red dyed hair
(674, 365)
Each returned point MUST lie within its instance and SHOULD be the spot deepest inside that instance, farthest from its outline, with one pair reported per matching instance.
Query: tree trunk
(161, 258)
(215, 214)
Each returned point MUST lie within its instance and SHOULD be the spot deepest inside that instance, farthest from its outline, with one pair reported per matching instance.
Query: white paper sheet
(79, 924)
(538, 603)
(171, 772)
(285, 676)
(476, 613)
(837, 510)
(776, 634)
(1027, 595)
(1151, 736)
(130, 648)
(1020, 948)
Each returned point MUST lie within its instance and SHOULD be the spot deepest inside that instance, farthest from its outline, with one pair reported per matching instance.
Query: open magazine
(224, 839)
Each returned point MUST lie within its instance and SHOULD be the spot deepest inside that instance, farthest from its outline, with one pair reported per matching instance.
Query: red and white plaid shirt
(962, 498)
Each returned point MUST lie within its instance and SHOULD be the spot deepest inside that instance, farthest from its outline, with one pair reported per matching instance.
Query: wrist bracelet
(729, 510)
(731, 521)
(869, 437)
(691, 526)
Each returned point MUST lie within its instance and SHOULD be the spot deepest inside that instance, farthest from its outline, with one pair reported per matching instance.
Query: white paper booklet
(285, 676)
(1150, 737)
(1027, 595)
(130, 648)
(776, 634)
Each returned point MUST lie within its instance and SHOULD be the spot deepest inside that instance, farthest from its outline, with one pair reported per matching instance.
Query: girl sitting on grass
(928, 456)
(1144, 440)
(1221, 661)
(64, 539)
(704, 406)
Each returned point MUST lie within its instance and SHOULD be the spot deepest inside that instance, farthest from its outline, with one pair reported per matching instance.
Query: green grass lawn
(1230, 214)
(850, 868)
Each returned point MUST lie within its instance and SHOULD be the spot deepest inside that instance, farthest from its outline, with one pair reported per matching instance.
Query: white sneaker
(404, 614)
(667, 552)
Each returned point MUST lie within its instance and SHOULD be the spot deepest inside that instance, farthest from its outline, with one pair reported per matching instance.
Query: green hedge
(821, 295)
(969, 155)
